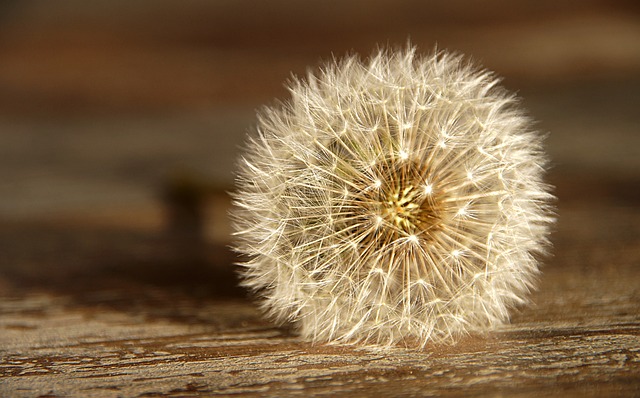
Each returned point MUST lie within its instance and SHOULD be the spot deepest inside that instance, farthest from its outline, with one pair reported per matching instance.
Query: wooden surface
(114, 311)
(119, 126)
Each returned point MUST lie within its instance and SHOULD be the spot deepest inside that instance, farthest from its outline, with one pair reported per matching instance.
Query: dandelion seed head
(397, 198)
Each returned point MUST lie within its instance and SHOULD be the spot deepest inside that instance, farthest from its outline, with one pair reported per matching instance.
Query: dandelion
(396, 199)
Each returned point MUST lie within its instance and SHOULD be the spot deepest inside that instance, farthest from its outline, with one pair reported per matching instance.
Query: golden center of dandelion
(407, 209)
(403, 202)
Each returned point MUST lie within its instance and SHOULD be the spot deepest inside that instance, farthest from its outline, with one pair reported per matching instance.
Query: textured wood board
(97, 311)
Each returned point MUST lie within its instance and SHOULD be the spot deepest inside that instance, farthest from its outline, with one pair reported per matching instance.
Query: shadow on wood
(122, 270)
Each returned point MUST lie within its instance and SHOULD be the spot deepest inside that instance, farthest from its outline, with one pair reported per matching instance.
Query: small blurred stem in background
(196, 209)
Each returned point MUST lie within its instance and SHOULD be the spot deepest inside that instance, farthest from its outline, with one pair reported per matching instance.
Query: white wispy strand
(399, 198)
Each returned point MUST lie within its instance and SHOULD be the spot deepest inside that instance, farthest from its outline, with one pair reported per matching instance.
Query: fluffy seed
(394, 199)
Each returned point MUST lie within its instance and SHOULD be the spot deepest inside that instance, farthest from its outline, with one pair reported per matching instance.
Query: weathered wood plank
(117, 312)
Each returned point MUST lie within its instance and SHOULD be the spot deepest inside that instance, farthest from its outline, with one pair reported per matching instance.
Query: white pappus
(394, 199)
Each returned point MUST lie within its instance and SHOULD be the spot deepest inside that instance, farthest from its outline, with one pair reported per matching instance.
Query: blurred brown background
(101, 102)
(120, 123)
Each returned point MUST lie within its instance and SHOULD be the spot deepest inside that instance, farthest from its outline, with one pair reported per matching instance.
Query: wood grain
(105, 311)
